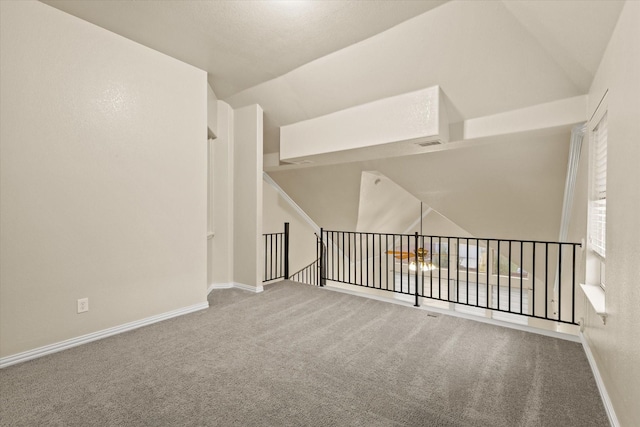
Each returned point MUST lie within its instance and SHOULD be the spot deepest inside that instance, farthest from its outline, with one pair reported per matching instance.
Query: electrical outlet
(83, 305)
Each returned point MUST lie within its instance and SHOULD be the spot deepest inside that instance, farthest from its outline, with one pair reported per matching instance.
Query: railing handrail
(493, 266)
(492, 239)
(306, 267)
(277, 260)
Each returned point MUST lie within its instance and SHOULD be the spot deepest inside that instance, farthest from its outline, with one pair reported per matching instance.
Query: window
(598, 213)
(594, 287)
(598, 196)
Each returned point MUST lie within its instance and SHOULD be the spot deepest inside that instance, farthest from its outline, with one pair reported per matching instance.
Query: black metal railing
(311, 273)
(276, 255)
(530, 278)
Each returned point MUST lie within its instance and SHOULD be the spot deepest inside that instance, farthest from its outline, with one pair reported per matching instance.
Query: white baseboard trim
(219, 286)
(94, 336)
(606, 401)
(256, 289)
(406, 303)
(230, 285)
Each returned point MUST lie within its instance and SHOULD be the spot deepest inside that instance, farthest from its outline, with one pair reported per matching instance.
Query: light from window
(598, 211)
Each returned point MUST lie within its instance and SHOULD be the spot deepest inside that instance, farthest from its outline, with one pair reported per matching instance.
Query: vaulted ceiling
(242, 43)
(303, 59)
(509, 188)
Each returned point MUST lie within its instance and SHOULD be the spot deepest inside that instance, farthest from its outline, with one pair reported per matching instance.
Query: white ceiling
(302, 59)
(243, 43)
(485, 60)
(508, 188)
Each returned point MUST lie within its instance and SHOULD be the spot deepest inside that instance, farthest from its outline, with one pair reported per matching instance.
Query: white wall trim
(256, 289)
(230, 285)
(606, 401)
(219, 286)
(94, 336)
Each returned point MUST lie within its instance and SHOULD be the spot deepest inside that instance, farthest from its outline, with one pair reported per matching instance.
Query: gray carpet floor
(297, 355)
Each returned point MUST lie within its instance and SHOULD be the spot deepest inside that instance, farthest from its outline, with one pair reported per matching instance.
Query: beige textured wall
(212, 112)
(437, 225)
(212, 131)
(247, 196)
(328, 194)
(615, 345)
(221, 249)
(237, 197)
(103, 179)
(508, 189)
(302, 240)
(384, 206)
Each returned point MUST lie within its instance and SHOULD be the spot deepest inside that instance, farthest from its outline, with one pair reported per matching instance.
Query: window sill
(595, 295)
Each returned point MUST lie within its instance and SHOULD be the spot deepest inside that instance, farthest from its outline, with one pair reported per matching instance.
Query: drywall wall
(435, 224)
(247, 198)
(302, 239)
(221, 243)
(502, 189)
(212, 133)
(210, 208)
(615, 345)
(328, 194)
(415, 116)
(384, 206)
(212, 112)
(488, 62)
(103, 179)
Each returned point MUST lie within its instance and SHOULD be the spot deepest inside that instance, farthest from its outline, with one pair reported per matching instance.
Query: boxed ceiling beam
(418, 117)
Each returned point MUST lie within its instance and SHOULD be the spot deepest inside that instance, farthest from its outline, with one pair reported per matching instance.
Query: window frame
(596, 253)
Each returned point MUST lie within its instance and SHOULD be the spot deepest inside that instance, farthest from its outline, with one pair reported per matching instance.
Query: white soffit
(418, 117)
(485, 60)
(564, 112)
(539, 121)
(304, 59)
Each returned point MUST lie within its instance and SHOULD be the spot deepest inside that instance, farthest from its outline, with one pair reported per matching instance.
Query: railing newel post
(286, 251)
(321, 257)
(415, 285)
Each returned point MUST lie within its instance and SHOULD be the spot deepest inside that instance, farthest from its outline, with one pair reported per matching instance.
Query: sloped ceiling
(481, 53)
(329, 195)
(385, 206)
(243, 43)
(302, 59)
(506, 189)
(577, 49)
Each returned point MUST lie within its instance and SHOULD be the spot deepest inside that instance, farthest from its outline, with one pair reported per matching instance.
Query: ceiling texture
(242, 43)
(303, 59)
